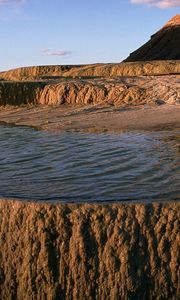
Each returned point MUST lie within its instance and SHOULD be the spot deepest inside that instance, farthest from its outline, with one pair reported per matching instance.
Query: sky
(45, 32)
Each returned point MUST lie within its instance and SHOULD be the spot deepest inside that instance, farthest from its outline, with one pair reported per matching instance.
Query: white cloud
(158, 3)
(48, 52)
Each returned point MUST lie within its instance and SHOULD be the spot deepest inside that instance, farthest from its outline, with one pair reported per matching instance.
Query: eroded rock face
(34, 72)
(141, 68)
(89, 251)
(119, 92)
(79, 92)
(164, 45)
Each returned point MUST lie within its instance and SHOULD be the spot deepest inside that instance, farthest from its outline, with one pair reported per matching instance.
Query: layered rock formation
(163, 45)
(118, 92)
(97, 70)
(29, 73)
(86, 92)
(89, 251)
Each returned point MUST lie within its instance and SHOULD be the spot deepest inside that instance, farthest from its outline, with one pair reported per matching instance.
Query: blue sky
(37, 32)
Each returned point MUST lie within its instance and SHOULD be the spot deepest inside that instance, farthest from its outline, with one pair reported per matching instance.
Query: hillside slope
(163, 45)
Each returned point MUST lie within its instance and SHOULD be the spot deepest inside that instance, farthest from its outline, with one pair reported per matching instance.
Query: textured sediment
(94, 91)
(89, 251)
(119, 91)
(141, 68)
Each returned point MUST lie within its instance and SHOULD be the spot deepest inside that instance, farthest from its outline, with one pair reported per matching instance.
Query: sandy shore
(93, 118)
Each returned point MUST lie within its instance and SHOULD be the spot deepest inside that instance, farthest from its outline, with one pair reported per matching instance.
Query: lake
(83, 167)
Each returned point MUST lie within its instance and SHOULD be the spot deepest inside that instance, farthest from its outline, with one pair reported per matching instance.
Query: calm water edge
(81, 167)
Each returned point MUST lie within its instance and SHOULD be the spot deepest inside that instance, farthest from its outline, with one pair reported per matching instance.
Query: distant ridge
(163, 45)
(163, 51)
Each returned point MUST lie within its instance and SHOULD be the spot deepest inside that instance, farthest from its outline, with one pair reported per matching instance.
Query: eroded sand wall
(118, 92)
(87, 92)
(71, 92)
(115, 251)
(28, 73)
(143, 68)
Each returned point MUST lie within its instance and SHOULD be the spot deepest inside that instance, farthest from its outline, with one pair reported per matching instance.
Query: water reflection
(89, 167)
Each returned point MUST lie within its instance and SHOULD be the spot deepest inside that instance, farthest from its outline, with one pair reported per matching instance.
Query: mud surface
(93, 118)
(116, 251)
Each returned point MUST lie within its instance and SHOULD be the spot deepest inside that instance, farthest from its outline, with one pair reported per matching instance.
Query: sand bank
(93, 118)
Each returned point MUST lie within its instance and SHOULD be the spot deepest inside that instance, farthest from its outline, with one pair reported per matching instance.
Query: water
(88, 167)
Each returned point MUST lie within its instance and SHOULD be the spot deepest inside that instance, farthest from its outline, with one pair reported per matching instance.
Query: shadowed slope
(163, 45)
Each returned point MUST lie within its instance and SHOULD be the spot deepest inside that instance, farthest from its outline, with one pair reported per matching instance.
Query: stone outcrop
(34, 72)
(163, 45)
(124, 69)
(86, 92)
(117, 91)
(89, 251)
(147, 68)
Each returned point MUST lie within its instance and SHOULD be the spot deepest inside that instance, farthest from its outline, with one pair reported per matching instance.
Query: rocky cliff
(165, 44)
(143, 68)
(86, 92)
(97, 70)
(89, 251)
(70, 92)
(117, 91)
(34, 72)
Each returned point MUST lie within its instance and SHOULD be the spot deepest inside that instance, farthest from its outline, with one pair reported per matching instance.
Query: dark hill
(163, 45)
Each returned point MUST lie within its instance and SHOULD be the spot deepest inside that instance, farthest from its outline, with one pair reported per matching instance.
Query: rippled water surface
(88, 167)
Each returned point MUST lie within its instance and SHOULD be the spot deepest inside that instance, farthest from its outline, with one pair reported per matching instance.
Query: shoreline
(93, 118)
(76, 204)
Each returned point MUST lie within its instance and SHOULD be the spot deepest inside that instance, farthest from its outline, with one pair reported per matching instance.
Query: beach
(93, 118)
